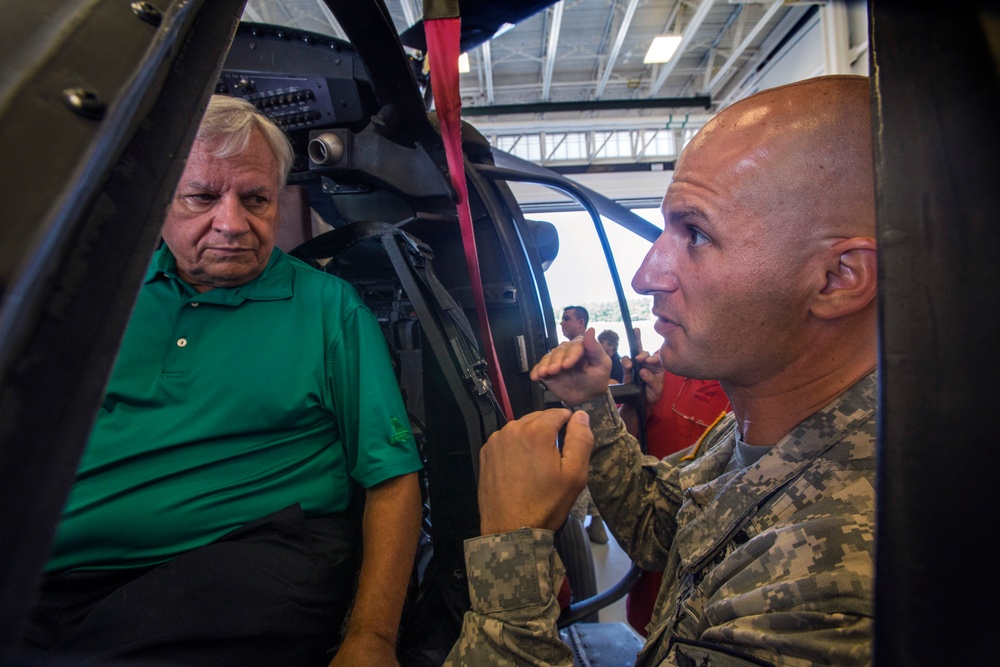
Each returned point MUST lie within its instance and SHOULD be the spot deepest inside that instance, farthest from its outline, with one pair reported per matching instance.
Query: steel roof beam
(689, 35)
(616, 49)
(488, 71)
(766, 49)
(723, 72)
(578, 124)
(836, 38)
(700, 101)
(713, 49)
(550, 52)
(409, 15)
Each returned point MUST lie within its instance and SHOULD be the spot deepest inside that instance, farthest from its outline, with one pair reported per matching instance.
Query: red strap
(442, 54)
(565, 596)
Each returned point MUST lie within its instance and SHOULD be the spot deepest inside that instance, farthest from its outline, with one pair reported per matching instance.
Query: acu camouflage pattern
(774, 562)
(513, 581)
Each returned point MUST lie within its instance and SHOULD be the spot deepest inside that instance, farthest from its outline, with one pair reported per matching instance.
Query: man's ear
(851, 279)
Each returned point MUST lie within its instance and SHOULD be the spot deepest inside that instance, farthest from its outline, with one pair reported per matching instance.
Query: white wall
(834, 41)
(801, 58)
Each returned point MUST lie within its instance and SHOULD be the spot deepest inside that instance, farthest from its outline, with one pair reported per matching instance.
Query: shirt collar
(274, 283)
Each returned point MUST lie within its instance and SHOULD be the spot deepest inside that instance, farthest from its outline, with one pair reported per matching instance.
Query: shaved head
(802, 152)
(765, 274)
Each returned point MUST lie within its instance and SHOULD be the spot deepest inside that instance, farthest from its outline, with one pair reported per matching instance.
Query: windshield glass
(315, 16)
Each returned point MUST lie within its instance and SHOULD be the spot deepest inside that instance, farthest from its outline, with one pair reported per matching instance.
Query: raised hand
(650, 369)
(576, 371)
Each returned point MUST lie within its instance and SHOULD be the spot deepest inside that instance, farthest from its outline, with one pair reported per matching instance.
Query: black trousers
(274, 592)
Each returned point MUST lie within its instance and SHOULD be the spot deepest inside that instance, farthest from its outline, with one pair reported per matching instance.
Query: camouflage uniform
(771, 562)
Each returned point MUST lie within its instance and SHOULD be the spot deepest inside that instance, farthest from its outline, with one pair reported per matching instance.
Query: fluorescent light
(463, 63)
(662, 49)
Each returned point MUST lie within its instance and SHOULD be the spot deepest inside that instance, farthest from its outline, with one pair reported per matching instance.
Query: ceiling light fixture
(662, 49)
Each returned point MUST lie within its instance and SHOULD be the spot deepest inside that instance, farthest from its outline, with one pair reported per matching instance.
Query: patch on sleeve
(400, 433)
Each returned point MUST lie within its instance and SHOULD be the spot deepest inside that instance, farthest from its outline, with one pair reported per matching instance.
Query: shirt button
(181, 342)
(195, 304)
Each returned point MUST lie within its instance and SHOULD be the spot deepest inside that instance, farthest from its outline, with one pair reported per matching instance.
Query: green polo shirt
(229, 405)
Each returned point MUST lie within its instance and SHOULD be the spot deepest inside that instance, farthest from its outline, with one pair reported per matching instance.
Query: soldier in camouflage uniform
(765, 278)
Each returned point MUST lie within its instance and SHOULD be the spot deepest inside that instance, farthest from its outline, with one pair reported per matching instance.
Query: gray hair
(230, 121)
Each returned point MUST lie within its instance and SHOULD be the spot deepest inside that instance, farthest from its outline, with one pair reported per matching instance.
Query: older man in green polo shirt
(206, 525)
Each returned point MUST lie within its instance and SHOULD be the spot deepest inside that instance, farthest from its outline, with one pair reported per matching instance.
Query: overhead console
(317, 89)
(292, 102)
(300, 80)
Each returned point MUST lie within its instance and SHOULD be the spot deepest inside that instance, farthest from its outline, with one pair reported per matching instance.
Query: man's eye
(696, 237)
(255, 201)
(200, 198)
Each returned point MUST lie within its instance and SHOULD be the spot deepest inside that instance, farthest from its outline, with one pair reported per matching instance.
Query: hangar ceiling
(590, 53)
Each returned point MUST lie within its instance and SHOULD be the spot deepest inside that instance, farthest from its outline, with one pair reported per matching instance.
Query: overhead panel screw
(85, 103)
(147, 13)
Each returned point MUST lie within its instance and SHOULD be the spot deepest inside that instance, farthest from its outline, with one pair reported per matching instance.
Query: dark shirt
(617, 371)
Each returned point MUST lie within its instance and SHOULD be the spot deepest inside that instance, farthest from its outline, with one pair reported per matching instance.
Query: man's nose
(230, 215)
(657, 273)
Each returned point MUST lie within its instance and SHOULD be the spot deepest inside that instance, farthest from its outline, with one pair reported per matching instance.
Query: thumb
(578, 443)
(592, 348)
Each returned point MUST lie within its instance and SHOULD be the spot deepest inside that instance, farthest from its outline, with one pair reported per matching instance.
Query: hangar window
(659, 143)
(689, 133)
(566, 146)
(525, 146)
(612, 145)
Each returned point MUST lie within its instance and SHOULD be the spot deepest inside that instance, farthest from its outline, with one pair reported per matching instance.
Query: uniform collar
(274, 283)
(718, 505)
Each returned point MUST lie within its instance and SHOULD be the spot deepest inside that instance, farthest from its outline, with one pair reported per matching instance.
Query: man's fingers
(533, 416)
(579, 442)
(647, 375)
(649, 360)
(552, 420)
(654, 362)
(638, 337)
(558, 359)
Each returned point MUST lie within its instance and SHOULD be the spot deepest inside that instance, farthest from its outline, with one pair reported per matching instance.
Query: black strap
(419, 255)
(402, 247)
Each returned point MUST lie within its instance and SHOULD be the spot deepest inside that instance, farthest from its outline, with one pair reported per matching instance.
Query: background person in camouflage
(764, 278)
